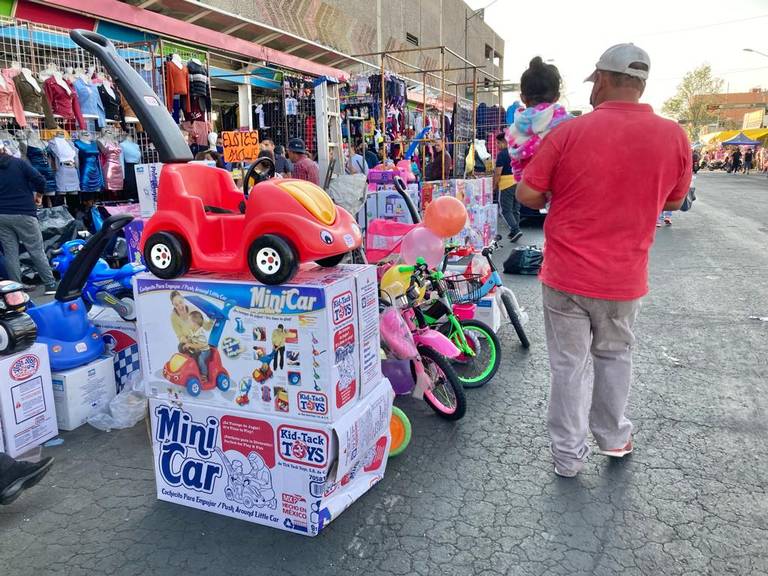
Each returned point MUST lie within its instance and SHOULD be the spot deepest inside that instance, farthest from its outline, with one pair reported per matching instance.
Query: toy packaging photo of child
(279, 336)
(197, 343)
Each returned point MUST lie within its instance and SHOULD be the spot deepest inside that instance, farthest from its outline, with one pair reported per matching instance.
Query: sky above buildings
(678, 35)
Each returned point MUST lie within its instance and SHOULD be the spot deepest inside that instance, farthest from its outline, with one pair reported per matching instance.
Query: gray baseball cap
(619, 58)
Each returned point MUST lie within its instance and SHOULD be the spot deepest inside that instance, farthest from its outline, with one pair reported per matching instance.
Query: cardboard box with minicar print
(304, 349)
(27, 409)
(264, 468)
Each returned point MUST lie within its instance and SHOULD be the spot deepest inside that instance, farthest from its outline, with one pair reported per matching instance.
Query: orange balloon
(445, 216)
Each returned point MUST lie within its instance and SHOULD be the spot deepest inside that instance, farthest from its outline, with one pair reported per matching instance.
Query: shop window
(412, 38)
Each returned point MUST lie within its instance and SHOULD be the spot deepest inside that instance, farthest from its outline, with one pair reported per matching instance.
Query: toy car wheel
(166, 255)
(128, 311)
(247, 501)
(272, 260)
(17, 332)
(222, 382)
(331, 261)
(193, 386)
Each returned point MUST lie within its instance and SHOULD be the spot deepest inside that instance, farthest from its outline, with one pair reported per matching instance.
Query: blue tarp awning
(741, 139)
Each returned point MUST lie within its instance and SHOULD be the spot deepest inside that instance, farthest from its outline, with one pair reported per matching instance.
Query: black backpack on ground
(524, 260)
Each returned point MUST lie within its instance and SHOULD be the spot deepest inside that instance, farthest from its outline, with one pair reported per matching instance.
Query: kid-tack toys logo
(313, 403)
(342, 308)
(303, 446)
(180, 437)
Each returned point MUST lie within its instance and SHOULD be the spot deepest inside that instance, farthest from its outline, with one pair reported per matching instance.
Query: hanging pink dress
(113, 167)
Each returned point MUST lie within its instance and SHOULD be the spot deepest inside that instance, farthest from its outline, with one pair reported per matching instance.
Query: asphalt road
(479, 497)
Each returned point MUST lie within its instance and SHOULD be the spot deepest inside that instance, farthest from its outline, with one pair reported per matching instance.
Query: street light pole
(755, 52)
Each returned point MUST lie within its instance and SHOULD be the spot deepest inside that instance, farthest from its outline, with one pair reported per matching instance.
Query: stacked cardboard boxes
(267, 402)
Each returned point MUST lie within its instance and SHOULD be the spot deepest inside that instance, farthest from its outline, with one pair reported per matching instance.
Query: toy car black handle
(71, 286)
(149, 109)
(401, 189)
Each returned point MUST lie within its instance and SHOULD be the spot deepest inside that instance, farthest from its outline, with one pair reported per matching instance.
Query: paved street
(479, 497)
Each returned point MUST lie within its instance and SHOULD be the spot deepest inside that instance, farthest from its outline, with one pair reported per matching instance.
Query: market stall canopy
(188, 20)
(741, 140)
(760, 134)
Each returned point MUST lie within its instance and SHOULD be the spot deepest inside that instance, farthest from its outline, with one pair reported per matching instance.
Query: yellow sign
(753, 119)
(240, 146)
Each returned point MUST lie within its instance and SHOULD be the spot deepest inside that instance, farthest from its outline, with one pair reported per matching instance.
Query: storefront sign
(240, 146)
(753, 119)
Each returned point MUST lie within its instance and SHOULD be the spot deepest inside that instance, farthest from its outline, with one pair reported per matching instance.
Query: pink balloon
(422, 243)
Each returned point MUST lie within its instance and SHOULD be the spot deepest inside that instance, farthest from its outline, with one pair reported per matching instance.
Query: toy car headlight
(326, 237)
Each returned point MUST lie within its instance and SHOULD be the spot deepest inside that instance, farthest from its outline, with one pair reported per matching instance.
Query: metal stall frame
(441, 78)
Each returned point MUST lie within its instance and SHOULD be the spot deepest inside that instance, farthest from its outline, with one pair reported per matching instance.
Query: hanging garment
(91, 177)
(198, 132)
(131, 152)
(38, 158)
(90, 100)
(309, 141)
(111, 102)
(127, 110)
(34, 100)
(111, 160)
(65, 105)
(65, 156)
(176, 84)
(10, 103)
(198, 84)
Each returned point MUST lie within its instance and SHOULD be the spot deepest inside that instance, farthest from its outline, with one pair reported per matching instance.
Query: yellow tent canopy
(717, 137)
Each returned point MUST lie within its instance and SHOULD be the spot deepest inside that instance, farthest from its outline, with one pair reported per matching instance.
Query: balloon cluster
(443, 218)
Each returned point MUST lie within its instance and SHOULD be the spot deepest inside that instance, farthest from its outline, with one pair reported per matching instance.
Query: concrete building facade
(354, 27)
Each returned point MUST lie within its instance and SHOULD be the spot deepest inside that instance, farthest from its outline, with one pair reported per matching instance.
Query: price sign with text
(240, 146)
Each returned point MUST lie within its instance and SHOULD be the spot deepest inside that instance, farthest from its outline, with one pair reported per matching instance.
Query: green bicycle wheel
(478, 369)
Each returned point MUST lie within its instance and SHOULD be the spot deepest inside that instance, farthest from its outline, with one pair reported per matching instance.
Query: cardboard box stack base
(290, 424)
(27, 411)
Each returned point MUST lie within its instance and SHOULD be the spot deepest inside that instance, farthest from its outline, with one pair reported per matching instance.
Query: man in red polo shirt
(608, 175)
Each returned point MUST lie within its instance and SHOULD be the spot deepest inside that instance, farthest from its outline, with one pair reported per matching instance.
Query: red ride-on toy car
(182, 370)
(202, 219)
(203, 222)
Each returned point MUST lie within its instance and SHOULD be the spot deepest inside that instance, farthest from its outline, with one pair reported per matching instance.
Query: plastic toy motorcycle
(202, 220)
(63, 324)
(108, 287)
(17, 329)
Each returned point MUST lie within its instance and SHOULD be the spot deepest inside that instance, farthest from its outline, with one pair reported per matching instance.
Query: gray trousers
(510, 208)
(590, 356)
(15, 230)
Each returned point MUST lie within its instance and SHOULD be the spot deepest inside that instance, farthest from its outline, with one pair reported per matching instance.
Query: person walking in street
(748, 157)
(21, 192)
(504, 182)
(736, 161)
(303, 167)
(17, 475)
(609, 174)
